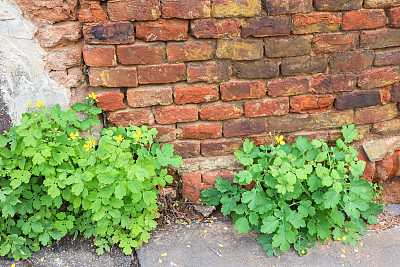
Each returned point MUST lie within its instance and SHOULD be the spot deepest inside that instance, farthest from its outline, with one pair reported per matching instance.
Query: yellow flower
(164, 254)
(138, 135)
(39, 104)
(29, 104)
(72, 136)
(361, 244)
(342, 256)
(279, 140)
(119, 138)
(92, 95)
(57, 259)
(89, 144)
(303, 251)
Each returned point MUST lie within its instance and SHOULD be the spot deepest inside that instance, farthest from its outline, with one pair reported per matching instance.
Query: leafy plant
(302, 192)
(53, 182)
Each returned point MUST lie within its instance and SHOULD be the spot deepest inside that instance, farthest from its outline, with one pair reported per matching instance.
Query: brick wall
(210, 73)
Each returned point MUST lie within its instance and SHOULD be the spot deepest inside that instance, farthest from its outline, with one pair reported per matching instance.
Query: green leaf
(296, 219)
(321, 156)
(302, 144)
(331, 199)
(30, 141)
(77, 188)
(314, 182)
(223, 185)
(211, 195)
(8, 211)
(305, 208)
(269, 224)
(242, 225)
(120, 191)
(149, 197)
(349, 133)
(266, 242)
(228, 204)
(283, 238)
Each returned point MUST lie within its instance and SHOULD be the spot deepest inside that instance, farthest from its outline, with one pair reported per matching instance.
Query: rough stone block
(59, 33)
(162, 30)
(145, 97)
(154, 74)
(64, 57)
(267, 26)
(241, 90)
(240, 49)
(260, 69)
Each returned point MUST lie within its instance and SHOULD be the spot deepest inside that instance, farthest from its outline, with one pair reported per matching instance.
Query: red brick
(118, 77)
(64, 57)
(215, 28)
(384, 168)
(186, 9)
(195, 94)
(267, 26)
(141, 54)
(163, 30)
(379, 77)
(109, 33)
(220, 148)
(387, 127)
(190, 52)
(328, 83)
(201, 131)
(385, 94)
(227, 174)
(329, 120)
(395, 93)
(165, 133)
(244, 127)
(304, 65)
(136, 117)
(260, 69)
(384, 58)
(316, 22)
(335, 42)
(311, 103)
(369, 170)
(363, 19)
(289, 123)
(209, 177)
(321, 135)
(390, 190)
(241, 90)
(259, 140)
(337, 5)
(91, 11)
(380, 38)
(287, 47)
(375, 114)
(59, 33)
(236, 8)
(240, 49)
(266, 107)
(100, 56)
(187, 149)
(358, 99)
(381, 3)
(53, 11)
(214, 72)
(173, 114)
(111, 101)
(394, 17)
(352, 61)
(120, 10)
(276, 7)
(220, 112)
(191, 186)
(289, 86)
(145, 97)
(161, 73)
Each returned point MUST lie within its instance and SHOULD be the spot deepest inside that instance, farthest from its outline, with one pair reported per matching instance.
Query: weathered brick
(220, 112)
(320, 135)
(119, 77)
(386, 94)
(72, 77)
(59, 33)
(369, 170)
(136, 117)
(220, 148)
(215, 28)
(235, 8)
(335, 42)
(288, 123)
(384, 168)
(267, 26)
(352, 61)
(201, 131)
(91, 11)
(266, 107)
(395, 93)
(358, 99)
(190, 52)
(110, 101)
(384, 58)
(260, 69)
(44, 11)
(109, 33)
(316, 22)
(165, 133)
(153, 74)
(99, 56)
(213, 72)
(145, 97)
(120, 10)
(337, 5)
(208, 178)
(174, 114)
(64, 57)
(288, 86)
(276, 7)
(363, 19)
(311, 103)
(195, 94)
(379, 77)
(380, 38)
(375, 114)
(304, 65)
(141, 54)
(191, 186)
(185, 9)
(328, 83)
(259, 140)
(390, 190)
(330, 120)
(241, 90)
(240, 49)
(162, 30)
(381, 3)
(394, 17)
(387, 127)
(187, 149)
(244, 127)
(287, 47)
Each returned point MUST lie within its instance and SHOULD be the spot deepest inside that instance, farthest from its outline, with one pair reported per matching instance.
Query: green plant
(302, 192)
(54, 182)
